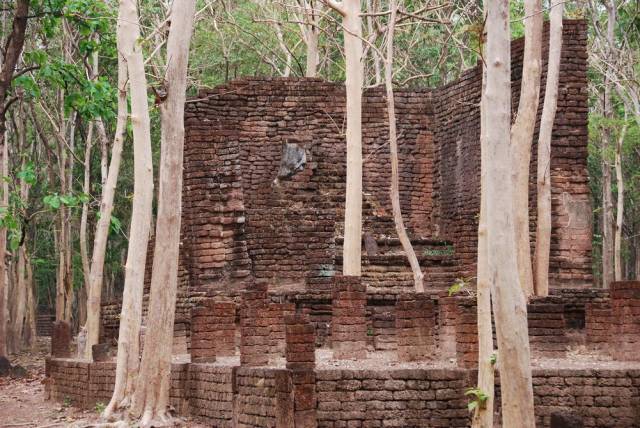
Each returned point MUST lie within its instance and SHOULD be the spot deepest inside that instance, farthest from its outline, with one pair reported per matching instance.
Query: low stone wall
(255, 397)
(423, 398)
(85, 384)
(211, 391)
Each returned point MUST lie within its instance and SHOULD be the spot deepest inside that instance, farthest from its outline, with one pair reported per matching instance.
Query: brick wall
(457, 132)
(243, 221)
(211, 391)
(421, 398)
(256, 398)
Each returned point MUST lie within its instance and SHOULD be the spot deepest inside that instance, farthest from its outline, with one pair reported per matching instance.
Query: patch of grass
(440, 251)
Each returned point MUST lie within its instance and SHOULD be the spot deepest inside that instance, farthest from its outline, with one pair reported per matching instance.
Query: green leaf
(69, 200)
(28, 175)
(471, 406)
(116, 225)
(14, 240)
(52, 201)
(84, 198)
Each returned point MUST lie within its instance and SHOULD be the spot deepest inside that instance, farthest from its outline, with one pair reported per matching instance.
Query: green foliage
(99, 407)
(478, 399)
(460, 284)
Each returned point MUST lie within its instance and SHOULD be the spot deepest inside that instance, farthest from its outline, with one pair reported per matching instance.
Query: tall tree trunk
(607, 217)
(543, 224)
(151, 398)
(608, 232)
(96, 271)
(68, 252)
(509, 303)
(20, 295)
(483, 416)
(352, 23)
(393, 154)
(84, 252)
(617, 246)
(10, 55)
(131, 62)
(3, 250)
(29, 331)
(311, 35)
(522, 137)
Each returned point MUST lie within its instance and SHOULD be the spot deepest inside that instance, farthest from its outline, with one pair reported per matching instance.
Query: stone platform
(351, 358)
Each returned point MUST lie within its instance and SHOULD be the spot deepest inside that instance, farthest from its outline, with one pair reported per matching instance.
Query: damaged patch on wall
(293, 160)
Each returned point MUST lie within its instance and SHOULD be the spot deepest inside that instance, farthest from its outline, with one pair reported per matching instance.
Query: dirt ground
(22, 401)
(23, 404)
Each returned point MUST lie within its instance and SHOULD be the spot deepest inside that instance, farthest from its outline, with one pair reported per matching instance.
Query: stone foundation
(348, 318)
(420, 398)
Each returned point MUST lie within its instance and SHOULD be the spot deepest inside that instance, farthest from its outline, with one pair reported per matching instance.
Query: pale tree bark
(375, 57)
(394, 192)
(4, 164)
(509, 303)
(92, 74)
(543, 224)
(617, 246)
(68, 223)
(151, 398)
(96, 271)
(608, 232)
(522, 137)
(607, 216)
(131, 61)
(483, 415)
(352, 23)
(310, 31)
(84, 253)
(285, 50)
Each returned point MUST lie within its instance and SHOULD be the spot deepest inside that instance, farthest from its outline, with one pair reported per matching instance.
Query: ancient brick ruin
(278, 338)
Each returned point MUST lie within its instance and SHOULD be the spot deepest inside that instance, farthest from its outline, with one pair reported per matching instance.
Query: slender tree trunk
(543, 224)
(617, 247)
(509, 303)
(375, 57)
(393, 151)
(312, 35)
(131, 61)
(607, 218)
(522, 137)
(68, 252)
(3, 251)
(29, 332)
(96, 271)
(18, 302)
(104, 151)
(608, 240)
(14, 342)
(11, 53)
(84, 252)
(352, 23)
(151, 399)
(637, 259)
(483, 417)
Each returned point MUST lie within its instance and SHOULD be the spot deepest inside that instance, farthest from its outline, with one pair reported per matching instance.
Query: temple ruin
(269, 334)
